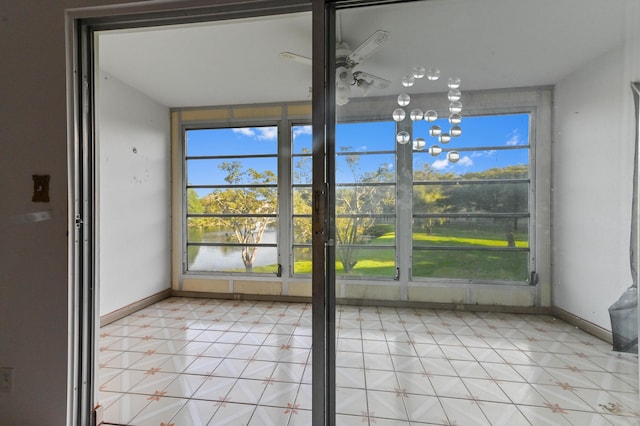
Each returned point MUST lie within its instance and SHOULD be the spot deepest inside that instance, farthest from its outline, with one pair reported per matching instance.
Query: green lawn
(379, 260)
(468, 264)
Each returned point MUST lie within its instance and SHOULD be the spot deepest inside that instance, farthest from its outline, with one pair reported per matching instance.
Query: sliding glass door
(432, 187)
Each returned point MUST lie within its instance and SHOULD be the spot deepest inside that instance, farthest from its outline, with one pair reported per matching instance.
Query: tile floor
(184, 362)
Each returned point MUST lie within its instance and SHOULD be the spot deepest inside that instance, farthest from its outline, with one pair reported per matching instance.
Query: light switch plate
(40, 188)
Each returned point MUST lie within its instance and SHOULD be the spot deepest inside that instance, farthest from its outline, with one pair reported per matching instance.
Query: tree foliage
(356, 203)
(494, 195)
(233, 204)
(355, 206)
(429, 198)
(302, 201)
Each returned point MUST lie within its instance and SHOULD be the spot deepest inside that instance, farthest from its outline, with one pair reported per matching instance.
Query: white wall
(34, 270)
(134, 195)
(592, 184)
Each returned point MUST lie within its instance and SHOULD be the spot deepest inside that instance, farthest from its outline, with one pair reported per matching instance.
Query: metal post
(323, 272)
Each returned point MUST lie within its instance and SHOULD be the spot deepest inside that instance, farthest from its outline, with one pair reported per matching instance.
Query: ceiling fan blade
(295, 57)
(369, 46)
(378, 82)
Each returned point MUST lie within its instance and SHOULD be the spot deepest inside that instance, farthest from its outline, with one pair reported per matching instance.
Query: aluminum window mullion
(404, 209)
(257, 185)
(471, 182)
(473, 215)
(346, 153)
(363, 184)
(480, 148)
(232, 244)
(230, 157)
(285, 202)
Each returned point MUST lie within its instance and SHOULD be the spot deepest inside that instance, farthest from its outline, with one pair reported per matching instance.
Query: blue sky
(477, 132)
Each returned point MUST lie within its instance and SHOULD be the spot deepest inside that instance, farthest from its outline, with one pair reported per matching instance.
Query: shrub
(379, 229)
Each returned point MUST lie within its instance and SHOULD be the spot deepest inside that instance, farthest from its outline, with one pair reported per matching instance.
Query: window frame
(534, 101)
(529, 215)
(184, 185)
(393, 187)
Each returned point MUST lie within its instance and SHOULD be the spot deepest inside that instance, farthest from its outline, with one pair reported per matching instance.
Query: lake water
(227, 258)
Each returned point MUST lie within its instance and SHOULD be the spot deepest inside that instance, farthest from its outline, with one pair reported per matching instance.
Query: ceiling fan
(346, 61)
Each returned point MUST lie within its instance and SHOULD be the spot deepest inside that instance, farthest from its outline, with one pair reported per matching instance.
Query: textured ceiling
(488, 43)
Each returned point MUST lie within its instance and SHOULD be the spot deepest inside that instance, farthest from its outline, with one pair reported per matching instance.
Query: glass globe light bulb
(416, 114)
(419, 144)
(455, 131)
(418, 72)
(444, 138)
(455, 107)
(399, 114)
(430, 116)
(433, 74)
(453, 156)
(404, 99)
(455, 119)
(435, 131)
(454, 82)
(454, 95)
(434, 150)
(403, 137)
(408, 80)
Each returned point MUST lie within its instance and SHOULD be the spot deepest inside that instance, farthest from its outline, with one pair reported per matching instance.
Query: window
(301, 198)
(365, 199)
(401, 212)
(232, 199)
(471, 217)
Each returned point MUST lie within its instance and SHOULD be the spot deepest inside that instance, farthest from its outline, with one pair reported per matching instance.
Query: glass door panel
(444, 115)
(222, 163)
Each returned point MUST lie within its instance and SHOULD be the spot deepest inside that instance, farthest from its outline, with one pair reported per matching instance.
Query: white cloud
(301, 130)
(482, 153)
(514, 138)
(268, 133)
(245, 131)
(465, 162)
(263, 133)
(444, 163)
(440, 164)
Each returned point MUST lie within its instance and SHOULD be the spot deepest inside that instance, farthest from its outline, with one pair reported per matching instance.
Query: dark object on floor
(624, 312)
(624, 321)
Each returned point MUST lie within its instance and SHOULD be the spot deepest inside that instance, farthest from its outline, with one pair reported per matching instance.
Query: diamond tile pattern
(187, 362)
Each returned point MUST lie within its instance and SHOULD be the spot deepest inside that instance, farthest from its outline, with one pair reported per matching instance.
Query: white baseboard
(134, 307)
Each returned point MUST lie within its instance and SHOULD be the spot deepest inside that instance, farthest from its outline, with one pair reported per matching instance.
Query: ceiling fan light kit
(347, 76)
(346, 62)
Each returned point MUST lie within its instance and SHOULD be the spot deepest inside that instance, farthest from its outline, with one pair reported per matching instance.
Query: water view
(221, 258)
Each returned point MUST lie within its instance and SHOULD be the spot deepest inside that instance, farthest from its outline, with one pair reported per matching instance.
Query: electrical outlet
(6, 379)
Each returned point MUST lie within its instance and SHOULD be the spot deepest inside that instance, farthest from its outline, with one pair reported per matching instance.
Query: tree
(491, 197)
(302, 201)
(356, 205)
(232, 205)
(194, 225)
(430, 198)
(194, 204)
